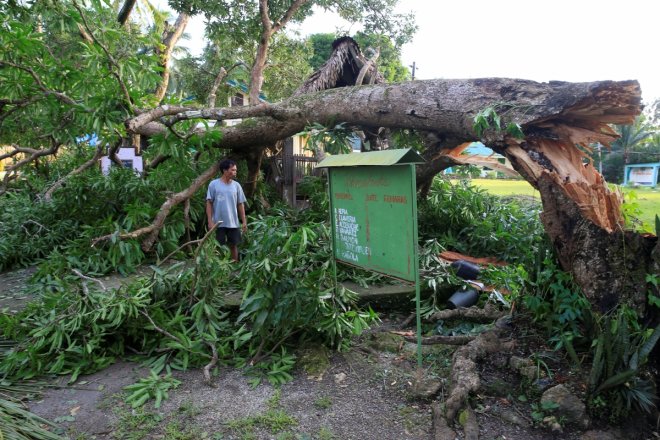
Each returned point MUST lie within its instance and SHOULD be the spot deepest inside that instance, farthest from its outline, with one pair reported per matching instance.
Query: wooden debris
(455, 256)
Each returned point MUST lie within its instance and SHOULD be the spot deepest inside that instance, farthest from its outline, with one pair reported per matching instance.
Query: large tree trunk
(559, 120)
(608, 266)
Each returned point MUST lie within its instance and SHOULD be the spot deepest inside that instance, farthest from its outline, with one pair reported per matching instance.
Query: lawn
(647, 199)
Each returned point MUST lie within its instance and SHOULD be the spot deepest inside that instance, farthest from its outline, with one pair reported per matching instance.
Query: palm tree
(631, 136)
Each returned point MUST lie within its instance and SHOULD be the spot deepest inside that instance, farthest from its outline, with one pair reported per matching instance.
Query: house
(644, 174)
(479, 155)
(239, 98)
(129, 157)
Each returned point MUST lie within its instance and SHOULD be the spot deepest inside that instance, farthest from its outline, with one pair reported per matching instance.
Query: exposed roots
(464, 376)
(441, 430)
(471, 428)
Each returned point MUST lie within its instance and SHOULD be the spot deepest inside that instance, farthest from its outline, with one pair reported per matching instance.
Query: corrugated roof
(372, 158)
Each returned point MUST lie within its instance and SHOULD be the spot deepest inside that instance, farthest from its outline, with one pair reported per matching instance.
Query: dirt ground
(368, 392)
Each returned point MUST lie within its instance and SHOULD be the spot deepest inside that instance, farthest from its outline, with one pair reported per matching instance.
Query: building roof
(243, 88)
(372, 158)
(341, 69)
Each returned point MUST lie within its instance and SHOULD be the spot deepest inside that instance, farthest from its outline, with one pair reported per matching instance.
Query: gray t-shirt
(225, 197)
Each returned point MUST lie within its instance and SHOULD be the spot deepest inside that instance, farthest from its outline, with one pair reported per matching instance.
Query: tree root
(441, 430)
(464, 376)
(440, 339)
(489, 313)
(471, 428)
(210, 365)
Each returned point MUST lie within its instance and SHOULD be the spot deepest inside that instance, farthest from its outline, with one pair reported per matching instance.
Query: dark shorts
(228, 235)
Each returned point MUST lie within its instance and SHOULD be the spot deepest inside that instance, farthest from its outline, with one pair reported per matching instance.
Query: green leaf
(515, 130)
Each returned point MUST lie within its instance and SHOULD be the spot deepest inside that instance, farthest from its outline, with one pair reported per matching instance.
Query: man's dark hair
(226, 164)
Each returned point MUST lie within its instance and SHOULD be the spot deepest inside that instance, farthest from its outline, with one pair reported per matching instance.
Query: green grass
(501, 187)
(648, 202)
(647, 199)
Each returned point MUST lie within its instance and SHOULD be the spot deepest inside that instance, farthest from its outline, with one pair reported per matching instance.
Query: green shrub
(467, 219)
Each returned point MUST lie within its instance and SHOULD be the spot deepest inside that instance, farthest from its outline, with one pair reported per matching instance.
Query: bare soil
(368, 392)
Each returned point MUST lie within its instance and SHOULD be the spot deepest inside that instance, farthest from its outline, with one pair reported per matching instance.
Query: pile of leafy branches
(32, 229)
(16, 422)
(177, 317)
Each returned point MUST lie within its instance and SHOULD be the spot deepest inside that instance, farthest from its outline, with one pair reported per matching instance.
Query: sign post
(373, 206)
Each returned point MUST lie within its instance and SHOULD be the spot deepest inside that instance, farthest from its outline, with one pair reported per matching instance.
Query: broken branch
(488, 313)
(154, 228)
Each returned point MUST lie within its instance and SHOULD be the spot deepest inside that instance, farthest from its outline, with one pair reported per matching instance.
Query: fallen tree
(549, 129)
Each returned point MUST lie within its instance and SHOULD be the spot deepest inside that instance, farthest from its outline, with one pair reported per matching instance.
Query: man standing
(225, 204)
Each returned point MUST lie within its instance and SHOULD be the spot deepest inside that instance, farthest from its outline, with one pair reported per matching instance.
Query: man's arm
(241, 215)
(209, 213)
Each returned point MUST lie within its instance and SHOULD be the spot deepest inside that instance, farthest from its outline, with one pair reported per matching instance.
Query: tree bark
(125, 11)
(170, 37)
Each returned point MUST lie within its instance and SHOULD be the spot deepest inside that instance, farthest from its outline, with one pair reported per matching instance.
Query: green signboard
(373, 203)
(373, 213)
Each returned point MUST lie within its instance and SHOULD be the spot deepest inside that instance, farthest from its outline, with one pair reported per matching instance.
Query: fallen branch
(48, 195)
(185, 113)
(85, 277)
(34, 154)
(440, 339)
(160, 330)
(154, 228)
(488, 313)
(34, 223)
(406, 322)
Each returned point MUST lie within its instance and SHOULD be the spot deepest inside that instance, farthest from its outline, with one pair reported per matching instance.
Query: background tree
(629, 148)
(240, 23)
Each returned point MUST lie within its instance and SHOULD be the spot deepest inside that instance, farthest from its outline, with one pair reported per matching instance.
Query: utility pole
(413, 66)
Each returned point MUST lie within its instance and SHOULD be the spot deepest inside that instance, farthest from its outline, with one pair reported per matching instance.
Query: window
(237, 100)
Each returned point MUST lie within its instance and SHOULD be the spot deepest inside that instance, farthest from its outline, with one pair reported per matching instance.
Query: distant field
(648, 199)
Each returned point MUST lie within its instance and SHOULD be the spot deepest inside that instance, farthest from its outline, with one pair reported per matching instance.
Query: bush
(467, 219)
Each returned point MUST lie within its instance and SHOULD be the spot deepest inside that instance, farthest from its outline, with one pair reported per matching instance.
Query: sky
(566, 40)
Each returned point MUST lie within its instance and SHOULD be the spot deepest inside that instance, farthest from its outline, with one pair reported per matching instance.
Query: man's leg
(233, 239)
(233, 249)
